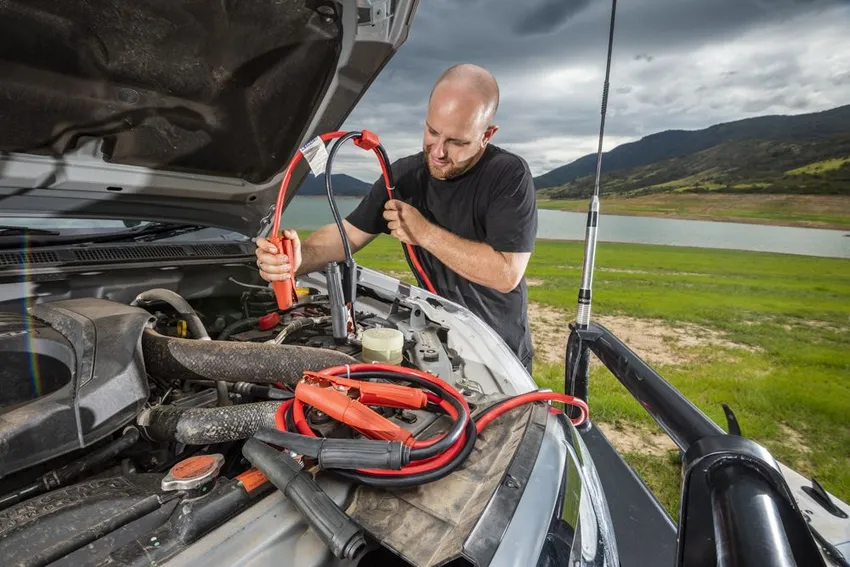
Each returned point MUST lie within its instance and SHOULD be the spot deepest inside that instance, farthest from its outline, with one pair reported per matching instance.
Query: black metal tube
(748, 526)
(682, 420)
(20, 495)
(576, 371)
(255, 390)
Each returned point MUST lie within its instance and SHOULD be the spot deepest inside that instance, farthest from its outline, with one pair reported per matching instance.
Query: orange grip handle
(387, 395)
(352, 413)
(283, 289)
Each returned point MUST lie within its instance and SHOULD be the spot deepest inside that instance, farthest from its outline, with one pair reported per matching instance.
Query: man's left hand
(406, 223)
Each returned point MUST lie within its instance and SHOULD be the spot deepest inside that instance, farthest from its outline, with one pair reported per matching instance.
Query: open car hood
(177, 111)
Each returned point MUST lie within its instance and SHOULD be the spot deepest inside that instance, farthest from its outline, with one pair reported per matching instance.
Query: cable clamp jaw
(370, 393)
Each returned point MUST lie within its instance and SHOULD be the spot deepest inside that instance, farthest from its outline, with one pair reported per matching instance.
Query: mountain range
(805, 153)
(343, 185)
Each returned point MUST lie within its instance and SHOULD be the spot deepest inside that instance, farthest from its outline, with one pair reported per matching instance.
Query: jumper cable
(389, 456)
(285, 290)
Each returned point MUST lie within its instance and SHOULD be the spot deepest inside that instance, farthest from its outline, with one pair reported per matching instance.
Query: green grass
(822, 211)
(819, 167)
(790, 390)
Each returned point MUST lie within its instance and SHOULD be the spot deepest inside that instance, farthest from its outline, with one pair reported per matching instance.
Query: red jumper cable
(285, 290)
(343, 393)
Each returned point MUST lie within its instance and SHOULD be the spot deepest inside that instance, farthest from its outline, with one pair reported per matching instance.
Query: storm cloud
(677, 64)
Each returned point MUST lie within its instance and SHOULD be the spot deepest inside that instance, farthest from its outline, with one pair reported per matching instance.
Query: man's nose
(438, 150)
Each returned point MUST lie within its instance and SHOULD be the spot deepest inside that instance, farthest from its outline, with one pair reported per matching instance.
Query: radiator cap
(193, 473)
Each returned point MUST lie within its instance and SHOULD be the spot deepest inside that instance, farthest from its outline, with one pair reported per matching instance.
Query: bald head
(473, 83)
(459, 124)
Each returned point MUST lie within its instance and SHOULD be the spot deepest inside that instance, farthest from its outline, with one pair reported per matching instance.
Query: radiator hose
(204, 426)
(259, 363)
(196, 327)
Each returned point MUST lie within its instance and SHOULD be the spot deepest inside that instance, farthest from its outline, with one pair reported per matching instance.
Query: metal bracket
(733, 426)
(373, 12)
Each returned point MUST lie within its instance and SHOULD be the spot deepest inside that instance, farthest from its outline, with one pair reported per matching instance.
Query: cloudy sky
(677, 64)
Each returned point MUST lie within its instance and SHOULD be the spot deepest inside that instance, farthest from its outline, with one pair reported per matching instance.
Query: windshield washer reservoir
(382, 345)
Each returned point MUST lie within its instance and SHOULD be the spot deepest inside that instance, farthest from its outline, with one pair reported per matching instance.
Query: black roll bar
(736, 508)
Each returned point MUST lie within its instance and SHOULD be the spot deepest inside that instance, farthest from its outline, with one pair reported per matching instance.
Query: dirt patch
(826, 326)
(637, 440)
(657, 342)
(629, 271)
(795, 439)
(534, 282)
(790, 325)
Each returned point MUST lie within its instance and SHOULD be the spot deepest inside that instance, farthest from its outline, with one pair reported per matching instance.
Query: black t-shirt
(494, 202)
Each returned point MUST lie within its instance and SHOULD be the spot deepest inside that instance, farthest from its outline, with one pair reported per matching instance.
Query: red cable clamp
(367, 140)
(352, 413)
(371, 393)
(284, 290)
(269, 321)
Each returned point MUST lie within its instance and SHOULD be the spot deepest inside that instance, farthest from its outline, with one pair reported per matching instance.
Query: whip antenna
(584, 294)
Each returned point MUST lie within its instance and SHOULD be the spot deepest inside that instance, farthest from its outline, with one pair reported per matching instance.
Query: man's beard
(446, 173)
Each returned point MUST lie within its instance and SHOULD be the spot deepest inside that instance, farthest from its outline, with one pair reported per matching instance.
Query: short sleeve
(368, 216)
(511, 219)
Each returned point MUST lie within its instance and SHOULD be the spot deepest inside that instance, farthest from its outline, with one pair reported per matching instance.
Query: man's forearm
(321, 247)
(325, 245)
(475, 261)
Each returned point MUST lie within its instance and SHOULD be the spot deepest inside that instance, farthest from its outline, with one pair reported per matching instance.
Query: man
(467, 205)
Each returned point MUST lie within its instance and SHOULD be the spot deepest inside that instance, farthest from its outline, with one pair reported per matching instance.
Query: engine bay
(123, 425)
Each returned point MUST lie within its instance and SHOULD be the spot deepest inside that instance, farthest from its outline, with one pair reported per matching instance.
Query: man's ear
(489, 133)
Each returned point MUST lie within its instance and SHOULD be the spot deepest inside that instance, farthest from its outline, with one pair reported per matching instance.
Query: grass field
(767, 334)
(820, 166)
(820, 211)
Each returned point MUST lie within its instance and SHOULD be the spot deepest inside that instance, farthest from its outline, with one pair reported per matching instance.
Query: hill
(742, 166)
(767, 153)
(343, 186)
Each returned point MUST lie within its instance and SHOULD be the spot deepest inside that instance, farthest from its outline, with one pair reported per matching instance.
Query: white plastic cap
(382, 345)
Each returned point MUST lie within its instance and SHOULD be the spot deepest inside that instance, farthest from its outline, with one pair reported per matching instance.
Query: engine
(113, 416)
(72, 375)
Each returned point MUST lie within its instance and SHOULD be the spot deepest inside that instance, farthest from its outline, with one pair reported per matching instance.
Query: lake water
(307, 213)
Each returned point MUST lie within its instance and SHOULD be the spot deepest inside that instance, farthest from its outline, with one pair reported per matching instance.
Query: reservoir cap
(382, 345)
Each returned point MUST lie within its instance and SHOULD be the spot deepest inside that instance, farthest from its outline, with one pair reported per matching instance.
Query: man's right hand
(273, 263)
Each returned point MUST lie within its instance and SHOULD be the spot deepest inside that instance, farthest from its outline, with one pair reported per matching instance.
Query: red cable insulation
(413, 257)
(533, 397)
(281, 194)
(437, 461)
(281, 197)
(424, 465)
